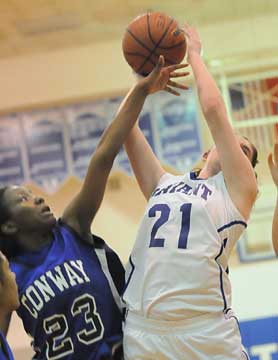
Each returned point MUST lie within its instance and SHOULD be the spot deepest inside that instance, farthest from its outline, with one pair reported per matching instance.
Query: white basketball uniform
(178, 292)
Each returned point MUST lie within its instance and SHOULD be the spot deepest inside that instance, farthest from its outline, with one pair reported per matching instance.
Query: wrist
(143, 87)
(192, 54)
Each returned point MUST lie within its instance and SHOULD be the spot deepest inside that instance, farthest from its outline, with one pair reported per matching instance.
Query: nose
(39, 200)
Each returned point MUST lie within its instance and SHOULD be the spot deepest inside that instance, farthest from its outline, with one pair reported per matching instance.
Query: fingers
(160, 63)
(172, 68)
(171, 91)
(187, 29)
(178, 74)
(177, 85)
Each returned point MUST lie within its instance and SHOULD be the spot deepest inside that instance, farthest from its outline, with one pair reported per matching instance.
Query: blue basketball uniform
(70, 298)
(5, 350)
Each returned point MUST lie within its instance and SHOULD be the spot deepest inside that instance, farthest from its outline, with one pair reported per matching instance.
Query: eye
(24, 198)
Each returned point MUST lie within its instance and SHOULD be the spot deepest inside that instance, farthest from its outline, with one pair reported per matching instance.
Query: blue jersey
(69, 297)
(5, 351)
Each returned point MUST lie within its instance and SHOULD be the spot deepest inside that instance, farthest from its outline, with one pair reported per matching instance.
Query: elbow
(213, 106)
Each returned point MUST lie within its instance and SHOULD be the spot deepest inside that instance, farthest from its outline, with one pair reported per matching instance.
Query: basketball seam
(152, 52)
(138, 40)
(157, 44)
(139, 55)
(171, 47)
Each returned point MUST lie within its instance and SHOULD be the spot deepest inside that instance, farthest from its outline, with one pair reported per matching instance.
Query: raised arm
(273, 167)
(81, 211)
(146, 167)
(237, 169)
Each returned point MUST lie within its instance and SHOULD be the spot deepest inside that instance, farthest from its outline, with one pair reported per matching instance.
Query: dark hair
(254, 160)
(7, 247)
(1, 268)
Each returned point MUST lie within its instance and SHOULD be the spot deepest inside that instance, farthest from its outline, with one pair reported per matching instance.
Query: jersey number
(164, 212)
(56, 326)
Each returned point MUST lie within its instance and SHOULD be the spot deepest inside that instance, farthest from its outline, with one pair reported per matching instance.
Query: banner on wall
(178, 129)
(147, 125)
(50, 145)
(86, 123)
(12, 167)
(44, 134)
(260, 338)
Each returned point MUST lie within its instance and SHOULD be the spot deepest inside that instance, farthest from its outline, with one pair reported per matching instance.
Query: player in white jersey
(273, 166)
(177, 290)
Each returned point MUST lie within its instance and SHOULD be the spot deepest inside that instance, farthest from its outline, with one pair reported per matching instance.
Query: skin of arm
(273, 167)
(80, 213)
(146, 167)
(242, 187)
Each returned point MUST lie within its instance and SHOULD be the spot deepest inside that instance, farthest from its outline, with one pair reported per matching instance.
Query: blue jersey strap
(5, 350)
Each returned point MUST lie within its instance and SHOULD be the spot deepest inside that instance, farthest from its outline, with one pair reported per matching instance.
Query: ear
(205, 155)
(9, 228)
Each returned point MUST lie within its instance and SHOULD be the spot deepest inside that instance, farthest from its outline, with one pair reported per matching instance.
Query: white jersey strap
(104, 266)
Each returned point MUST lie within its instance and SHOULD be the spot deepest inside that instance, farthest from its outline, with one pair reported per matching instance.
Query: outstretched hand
(194, 43)
(160, 78)
(273, 157)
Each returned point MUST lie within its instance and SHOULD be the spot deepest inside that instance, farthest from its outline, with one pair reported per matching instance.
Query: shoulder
(168, 178)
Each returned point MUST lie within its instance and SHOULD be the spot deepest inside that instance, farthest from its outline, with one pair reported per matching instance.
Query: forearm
(209, 95)
(275, 228)
(146, 167)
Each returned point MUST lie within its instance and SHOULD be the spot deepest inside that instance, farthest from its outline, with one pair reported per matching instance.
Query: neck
(204, 174)
(34, 241)
(207, 172)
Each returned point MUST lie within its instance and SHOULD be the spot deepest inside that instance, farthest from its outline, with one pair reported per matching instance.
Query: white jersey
(177, 268)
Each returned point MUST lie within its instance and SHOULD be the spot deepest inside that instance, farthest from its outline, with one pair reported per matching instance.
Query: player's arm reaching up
(273, 166)
(237, 170)
(81, 211)
(145, 165)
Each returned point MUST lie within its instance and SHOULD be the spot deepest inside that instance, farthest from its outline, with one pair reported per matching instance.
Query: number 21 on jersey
(162, 212)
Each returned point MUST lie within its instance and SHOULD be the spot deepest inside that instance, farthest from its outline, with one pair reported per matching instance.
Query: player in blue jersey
(178, 293)
(69, 280)
(8, 302)
(273, 166)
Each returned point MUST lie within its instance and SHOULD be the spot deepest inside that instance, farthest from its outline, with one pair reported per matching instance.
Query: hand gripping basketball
(150, 35)
(160, 78)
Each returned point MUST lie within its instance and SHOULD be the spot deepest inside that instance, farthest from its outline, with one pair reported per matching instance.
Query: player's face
(28, 212)
(8, 287)
(213, 157)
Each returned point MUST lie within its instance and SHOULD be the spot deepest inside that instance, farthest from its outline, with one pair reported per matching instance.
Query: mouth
(46, 210)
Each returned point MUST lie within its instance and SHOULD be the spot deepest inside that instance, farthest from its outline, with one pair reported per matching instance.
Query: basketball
(150, 35)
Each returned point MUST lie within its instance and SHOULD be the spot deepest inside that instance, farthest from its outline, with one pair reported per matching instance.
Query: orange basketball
(150, 35)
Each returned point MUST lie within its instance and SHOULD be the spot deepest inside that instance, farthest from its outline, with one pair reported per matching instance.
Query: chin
(50, 223)
(16, 305)
(53, 221)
